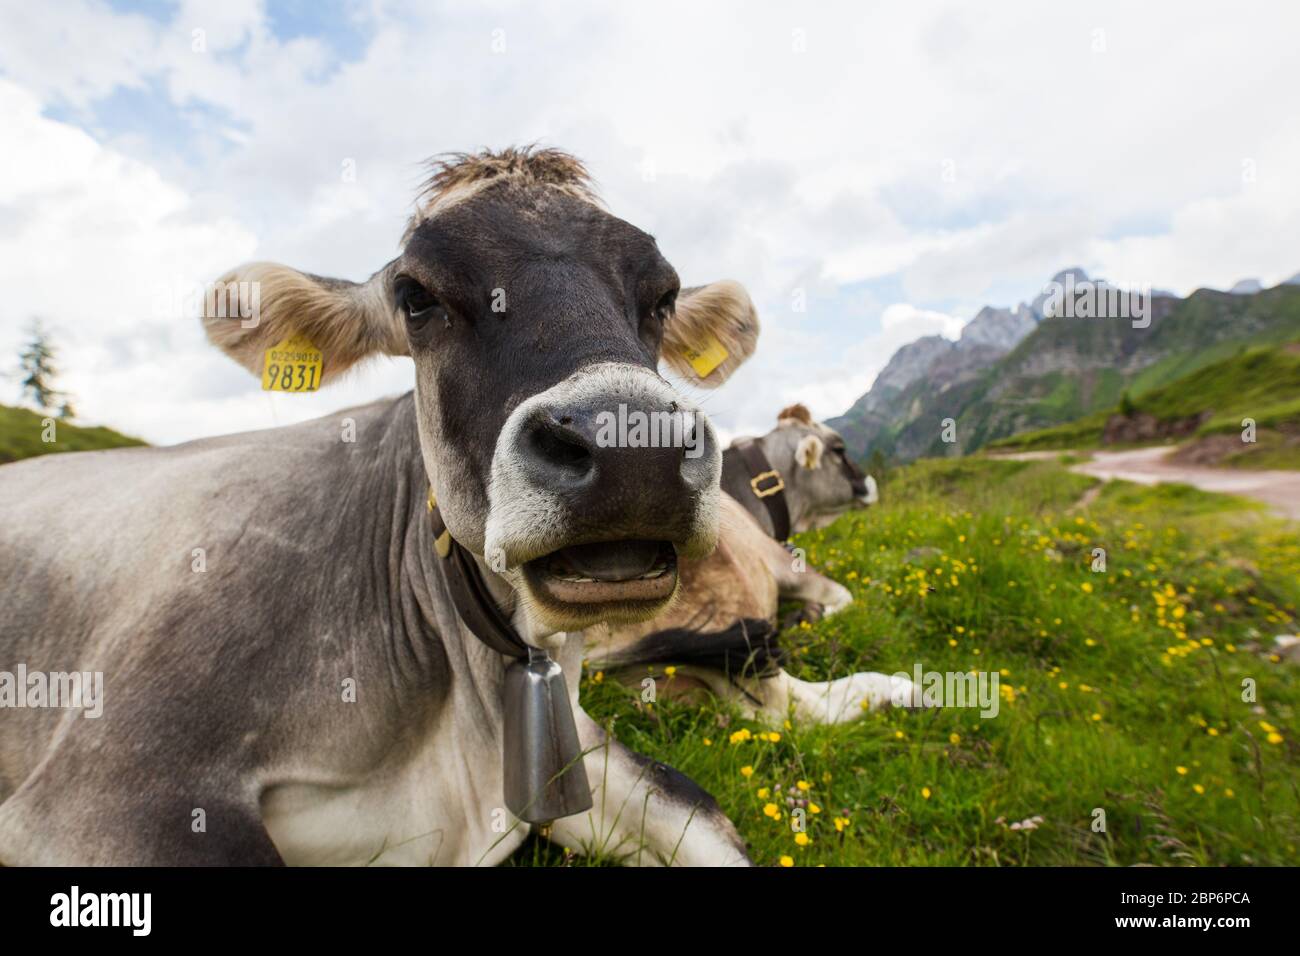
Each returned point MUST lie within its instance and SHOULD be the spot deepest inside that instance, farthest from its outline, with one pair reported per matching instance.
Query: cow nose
(557, 451)
(617, 450)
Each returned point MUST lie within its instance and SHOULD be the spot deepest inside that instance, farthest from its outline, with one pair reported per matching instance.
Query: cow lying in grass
(287, 668)
(815, 481)
(721, 633)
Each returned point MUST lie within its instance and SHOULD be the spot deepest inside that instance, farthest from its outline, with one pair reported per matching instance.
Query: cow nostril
(561, 447)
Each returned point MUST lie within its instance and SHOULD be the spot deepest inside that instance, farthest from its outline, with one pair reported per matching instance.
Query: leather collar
(470, 592)
(542, 771)
(767, 485)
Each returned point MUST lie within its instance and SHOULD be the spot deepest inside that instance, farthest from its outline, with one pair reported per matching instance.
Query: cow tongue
(608, 560)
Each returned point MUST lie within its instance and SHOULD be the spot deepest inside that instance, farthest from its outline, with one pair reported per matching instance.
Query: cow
(815, 483)
(289, 675)
(721, 634)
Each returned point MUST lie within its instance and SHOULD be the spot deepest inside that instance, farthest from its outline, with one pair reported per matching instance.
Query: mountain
(1056, 370)
(921, 370)
(911, 362)
(1247, 287)
(933, 365)
(999, 328)
(1039, 306)
(1261, 383)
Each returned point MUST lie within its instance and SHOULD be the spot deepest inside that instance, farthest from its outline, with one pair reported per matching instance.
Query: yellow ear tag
(292, 365)
(708, 356)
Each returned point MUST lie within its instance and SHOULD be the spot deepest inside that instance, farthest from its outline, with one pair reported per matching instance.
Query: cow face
(816, 467)
(536, 321)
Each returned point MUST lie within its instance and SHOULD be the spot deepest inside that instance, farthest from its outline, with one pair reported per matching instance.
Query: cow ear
(711, 333)
(808, 454)
(258, 305)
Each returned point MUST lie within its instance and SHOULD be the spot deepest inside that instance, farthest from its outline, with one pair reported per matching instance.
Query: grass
(1274, 449)
(1121, 690)
(22, 433)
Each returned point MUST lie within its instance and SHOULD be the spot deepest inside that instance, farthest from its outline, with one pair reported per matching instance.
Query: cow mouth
(629, 574)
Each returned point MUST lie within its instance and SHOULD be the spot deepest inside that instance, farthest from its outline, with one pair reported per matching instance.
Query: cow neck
(541, 756)
(764, 485)
(470, 593)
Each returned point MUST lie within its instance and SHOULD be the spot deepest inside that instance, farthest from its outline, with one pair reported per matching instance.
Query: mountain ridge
(1023, 368)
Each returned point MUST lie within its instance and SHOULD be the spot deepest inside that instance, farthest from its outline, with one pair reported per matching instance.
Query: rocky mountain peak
(1001, 328)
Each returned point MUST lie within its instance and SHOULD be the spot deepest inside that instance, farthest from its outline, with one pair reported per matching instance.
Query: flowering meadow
(1146, 713)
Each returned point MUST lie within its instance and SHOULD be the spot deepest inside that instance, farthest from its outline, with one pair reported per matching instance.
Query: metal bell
(544, 774)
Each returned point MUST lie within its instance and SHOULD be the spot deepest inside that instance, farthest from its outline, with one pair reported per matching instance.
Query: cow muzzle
(598, 484)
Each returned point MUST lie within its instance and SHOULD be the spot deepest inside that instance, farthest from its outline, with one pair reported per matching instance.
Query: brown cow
(721, 632)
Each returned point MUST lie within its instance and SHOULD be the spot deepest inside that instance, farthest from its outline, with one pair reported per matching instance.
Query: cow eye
(667, 302)
(419, 304)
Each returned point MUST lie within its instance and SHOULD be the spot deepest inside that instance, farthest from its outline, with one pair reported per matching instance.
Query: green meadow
(1259, 382)
(23, 433)
(1144, 716)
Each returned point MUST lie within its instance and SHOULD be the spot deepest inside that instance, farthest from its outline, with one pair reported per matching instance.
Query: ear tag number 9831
(293, 365)
(706, 356)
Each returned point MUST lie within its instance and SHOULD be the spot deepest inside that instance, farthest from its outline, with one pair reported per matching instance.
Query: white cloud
(949, 153)
(906, 319)
(844, 377)
(76, 53)
(106, 252)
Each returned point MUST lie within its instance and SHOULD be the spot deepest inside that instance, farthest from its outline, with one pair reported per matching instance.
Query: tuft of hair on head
(794, 413)
(456, 176)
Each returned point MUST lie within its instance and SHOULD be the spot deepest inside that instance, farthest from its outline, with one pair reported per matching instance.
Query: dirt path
(1278, 489)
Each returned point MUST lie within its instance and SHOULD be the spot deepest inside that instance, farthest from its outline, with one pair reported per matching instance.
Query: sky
(871, 172)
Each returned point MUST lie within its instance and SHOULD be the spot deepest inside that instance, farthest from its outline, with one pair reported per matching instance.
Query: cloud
(918, 149)
(77, 53)
(906, 319)
(843, 380)
(110, 256)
